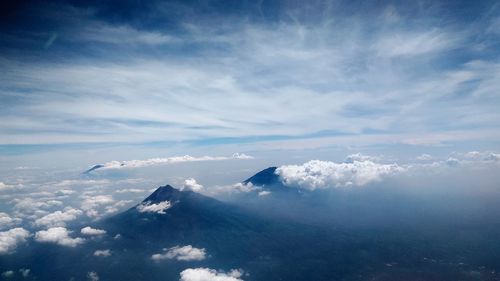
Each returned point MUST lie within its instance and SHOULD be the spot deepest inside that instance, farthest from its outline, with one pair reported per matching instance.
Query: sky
(204, 94)
(169, 78)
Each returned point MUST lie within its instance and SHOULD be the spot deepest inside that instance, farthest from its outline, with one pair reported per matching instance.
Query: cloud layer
(160, 161)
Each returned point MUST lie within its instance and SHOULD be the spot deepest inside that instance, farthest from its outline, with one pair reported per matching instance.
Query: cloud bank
(318, 174)
(161, 161)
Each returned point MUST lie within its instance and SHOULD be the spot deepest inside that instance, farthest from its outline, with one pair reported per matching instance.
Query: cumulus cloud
(92, 231)
(8, 221)
(192, 185)
(318, 174)
(58, 235)
(102, 253)
(185, 253)
(167, 160)
(90, 204)
(149, 207)
(11, 238)
(207, 274)
(58, 218)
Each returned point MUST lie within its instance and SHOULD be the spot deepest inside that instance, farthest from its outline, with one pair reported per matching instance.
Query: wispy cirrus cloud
(303, 77)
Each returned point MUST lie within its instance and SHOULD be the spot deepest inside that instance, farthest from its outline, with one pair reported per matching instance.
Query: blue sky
(184, 77)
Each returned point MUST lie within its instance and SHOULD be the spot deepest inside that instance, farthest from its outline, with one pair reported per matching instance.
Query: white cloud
(424, 157)
(360, 157)
(418, 43)
(8, 221)
(58, 235)
(25, 272)
(185, 253)
(92, 231)
(159, 208)
(207, 274)
(168, 160)
(90, 204)
(264, 193)
(92, 276)
(8, 274)
(245, 187)
(5, 187)
(58, 218)
(130, 190)
(317, 174)
(11, 238)
(192, 185)
(102, 253)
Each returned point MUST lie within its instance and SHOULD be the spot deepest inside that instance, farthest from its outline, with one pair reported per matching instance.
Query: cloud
(207, 274)
(58, 218)
(92, 276)
(160, 161)
(58, 235)
(8, 221)
(91, 203)
(102, 253)
(130, 190)
(424, 157)
(8, 274)
(317, 174)
(149, 207)
(25, 272)
(11, 238)
(92, 231)
(192, 185)
(185, 253)
(5, 187)
(264, 193)
(292, 64)
(360, 157)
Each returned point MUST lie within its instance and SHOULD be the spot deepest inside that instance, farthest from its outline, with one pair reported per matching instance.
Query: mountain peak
(267, 177)
(163, 193)
(95, 167)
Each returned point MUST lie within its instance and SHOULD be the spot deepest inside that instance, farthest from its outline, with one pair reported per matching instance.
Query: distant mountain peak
(164, 193)
(95, 167)
(265, 177)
